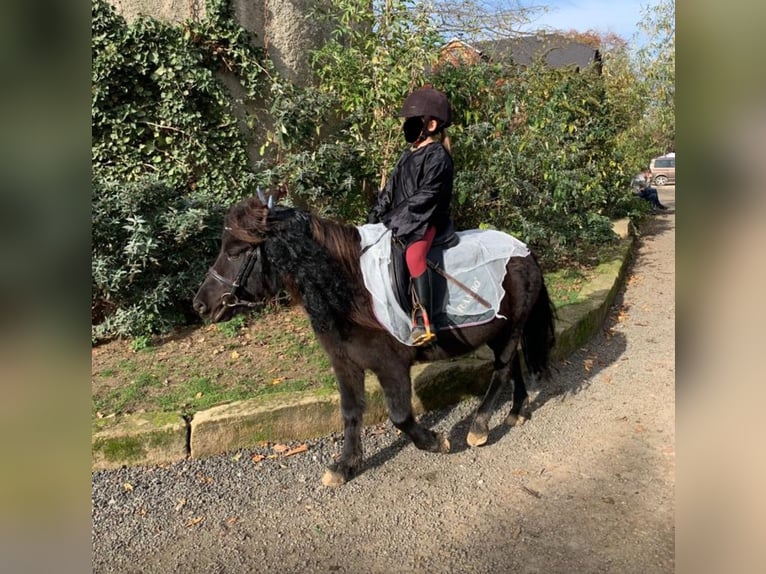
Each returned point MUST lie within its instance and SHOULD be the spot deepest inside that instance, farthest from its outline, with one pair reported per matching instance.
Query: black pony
(266, 249)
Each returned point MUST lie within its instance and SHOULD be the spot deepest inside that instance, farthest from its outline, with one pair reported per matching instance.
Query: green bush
(534, 154)
(151, 246)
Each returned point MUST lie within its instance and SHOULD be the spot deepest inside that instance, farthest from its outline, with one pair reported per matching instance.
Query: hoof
(333, 478)
(476, 439)
(515, 420)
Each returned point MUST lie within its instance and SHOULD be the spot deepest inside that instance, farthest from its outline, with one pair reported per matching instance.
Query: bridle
(231, 297)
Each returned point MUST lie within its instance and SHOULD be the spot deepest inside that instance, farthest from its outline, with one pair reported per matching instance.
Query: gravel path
(587, 485)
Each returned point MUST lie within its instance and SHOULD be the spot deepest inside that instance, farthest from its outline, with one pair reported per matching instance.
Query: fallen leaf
(608, 379)
(99, 415)
(198, 395)
(234, 355)
(622, 316)
(237, 456)
(194, 521)
(280, 448)
(297, 450)
(277, 380)
(231, 520)
(181, 503)
(257, 457)
(128, 487)
(587, 364)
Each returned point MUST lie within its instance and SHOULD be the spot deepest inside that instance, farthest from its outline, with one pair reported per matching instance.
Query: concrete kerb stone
(159, 438)
(139, 439)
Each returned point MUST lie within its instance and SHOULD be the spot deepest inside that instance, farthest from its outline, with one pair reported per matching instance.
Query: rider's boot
(421, 322)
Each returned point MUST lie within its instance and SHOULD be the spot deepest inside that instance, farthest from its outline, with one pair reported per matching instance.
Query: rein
(231, 297)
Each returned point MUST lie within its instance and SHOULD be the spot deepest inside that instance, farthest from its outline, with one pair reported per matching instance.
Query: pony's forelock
(247, 221)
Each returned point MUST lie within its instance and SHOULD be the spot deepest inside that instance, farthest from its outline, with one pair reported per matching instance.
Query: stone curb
(158, 438)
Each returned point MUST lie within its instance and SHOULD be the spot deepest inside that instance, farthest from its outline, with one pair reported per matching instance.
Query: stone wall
(166, 10)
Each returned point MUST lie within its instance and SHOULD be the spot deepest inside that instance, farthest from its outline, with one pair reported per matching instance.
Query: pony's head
(241, 277)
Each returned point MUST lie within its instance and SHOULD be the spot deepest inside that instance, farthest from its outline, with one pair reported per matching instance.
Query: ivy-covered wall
(279, 26)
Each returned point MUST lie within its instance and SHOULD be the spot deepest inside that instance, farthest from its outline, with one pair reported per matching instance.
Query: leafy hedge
(538, 152)
(535, 154)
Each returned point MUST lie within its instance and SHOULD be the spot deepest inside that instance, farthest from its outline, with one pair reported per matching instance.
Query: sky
(618, 16)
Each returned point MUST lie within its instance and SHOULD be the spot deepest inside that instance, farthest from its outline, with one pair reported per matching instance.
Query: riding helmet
(428, 102)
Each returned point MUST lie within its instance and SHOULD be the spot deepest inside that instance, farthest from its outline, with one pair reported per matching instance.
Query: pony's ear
(267, 201)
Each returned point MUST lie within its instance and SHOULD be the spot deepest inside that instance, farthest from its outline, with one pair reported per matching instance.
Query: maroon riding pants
(417, 251)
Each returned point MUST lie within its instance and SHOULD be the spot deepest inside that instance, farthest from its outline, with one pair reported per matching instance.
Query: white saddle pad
(478, 262)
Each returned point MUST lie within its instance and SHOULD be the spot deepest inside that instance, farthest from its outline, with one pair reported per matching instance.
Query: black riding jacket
(417, 194)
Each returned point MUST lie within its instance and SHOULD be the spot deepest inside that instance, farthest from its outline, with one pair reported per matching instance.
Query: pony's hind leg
(519, 408)
(397, 388)
(505, 355)
(351, 386)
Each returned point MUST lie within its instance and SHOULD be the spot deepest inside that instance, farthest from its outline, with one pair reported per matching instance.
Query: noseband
(231, 297)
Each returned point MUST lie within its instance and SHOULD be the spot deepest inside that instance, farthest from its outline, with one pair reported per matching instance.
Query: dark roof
(556, 51)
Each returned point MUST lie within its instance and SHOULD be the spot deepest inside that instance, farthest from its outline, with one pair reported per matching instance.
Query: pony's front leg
(397, 387)
(351, 386)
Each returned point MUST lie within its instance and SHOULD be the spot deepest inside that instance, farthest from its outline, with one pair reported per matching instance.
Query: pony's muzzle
(200, 307)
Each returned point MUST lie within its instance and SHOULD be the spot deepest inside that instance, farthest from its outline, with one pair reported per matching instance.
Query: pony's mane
(344, 245)
(327, 275)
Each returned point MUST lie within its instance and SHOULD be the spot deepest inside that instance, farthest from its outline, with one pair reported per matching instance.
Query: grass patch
(564, 286)
(200, 367)
(231, 327)
(121, 398)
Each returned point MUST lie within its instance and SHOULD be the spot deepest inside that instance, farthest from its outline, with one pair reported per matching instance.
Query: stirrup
(421, 334)
(424, 339)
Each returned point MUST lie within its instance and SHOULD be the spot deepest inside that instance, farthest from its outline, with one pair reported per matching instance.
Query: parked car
(663, 169)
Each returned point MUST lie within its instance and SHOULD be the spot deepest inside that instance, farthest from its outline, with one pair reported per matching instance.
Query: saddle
(400, 275)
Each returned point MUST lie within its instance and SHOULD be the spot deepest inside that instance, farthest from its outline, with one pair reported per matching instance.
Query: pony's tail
(539, 334)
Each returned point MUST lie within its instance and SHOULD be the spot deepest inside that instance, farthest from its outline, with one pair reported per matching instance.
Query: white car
(663, 169)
